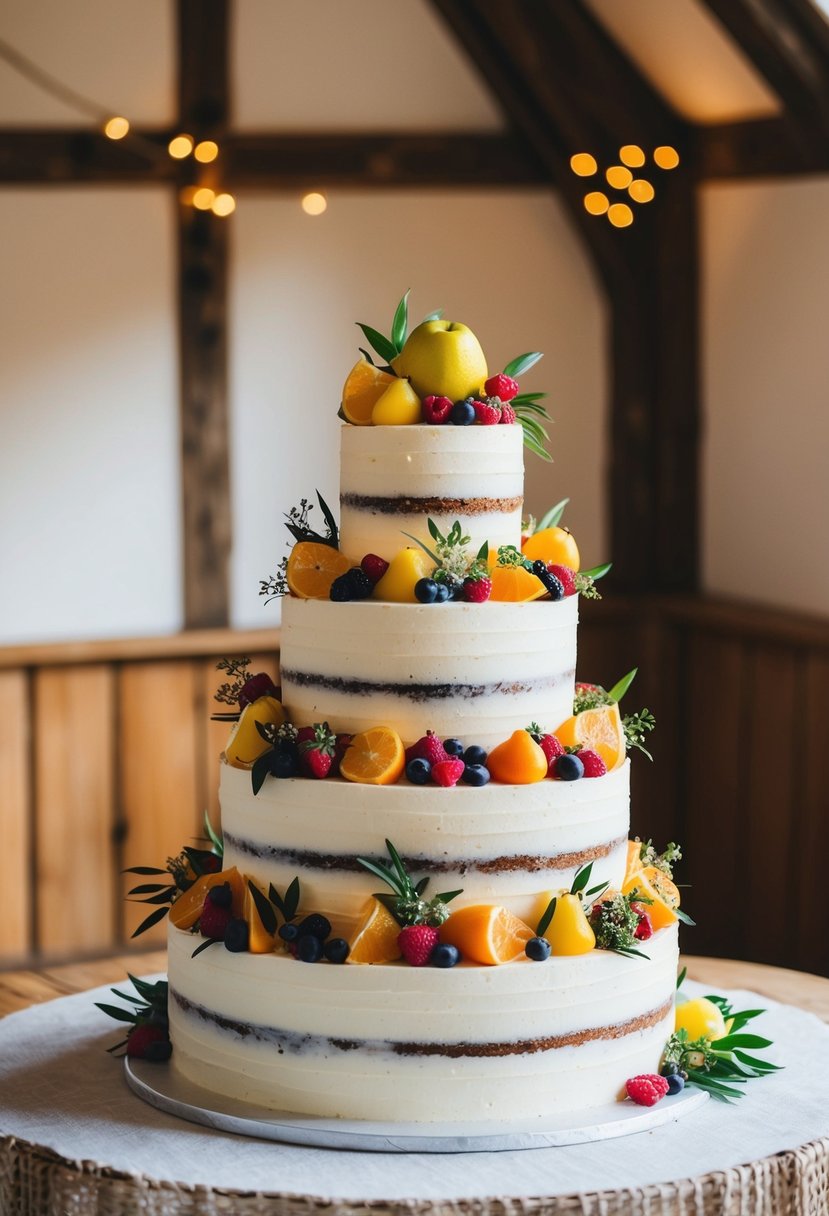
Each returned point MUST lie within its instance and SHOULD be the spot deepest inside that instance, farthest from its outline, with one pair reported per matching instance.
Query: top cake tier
(393, 479)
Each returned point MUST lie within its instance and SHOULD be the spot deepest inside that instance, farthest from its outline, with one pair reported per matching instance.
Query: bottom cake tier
(412, 1044)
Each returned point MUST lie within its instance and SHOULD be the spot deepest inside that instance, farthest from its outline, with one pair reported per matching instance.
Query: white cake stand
(163, 1088)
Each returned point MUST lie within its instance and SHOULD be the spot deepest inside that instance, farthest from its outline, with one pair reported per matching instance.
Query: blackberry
(285, 761)
(360, 583)
(315, 925)
(336, 950)
(341, 589)
(158, 1052)
(550, 581)
(221, 895)
(237, 935)
(538, 949)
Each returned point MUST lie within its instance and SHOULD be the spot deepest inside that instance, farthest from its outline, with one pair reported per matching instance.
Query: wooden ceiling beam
(763, 147)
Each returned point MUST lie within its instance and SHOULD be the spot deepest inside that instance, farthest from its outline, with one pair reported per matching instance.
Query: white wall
(766, 392)
(505, 263)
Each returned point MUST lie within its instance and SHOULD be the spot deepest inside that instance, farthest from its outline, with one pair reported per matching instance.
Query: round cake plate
(163, 1088)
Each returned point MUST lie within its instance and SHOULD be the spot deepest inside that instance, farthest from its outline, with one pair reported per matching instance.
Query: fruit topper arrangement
(438, 375)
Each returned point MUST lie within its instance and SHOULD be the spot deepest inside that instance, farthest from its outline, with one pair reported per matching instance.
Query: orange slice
(514, 584)
(600, 730)
(633, 863)
(375, 757)
(312, 568)
(376, 938)
(187, 909)
(658, 887)
(486, 933)
(362, 390)
(260, 941)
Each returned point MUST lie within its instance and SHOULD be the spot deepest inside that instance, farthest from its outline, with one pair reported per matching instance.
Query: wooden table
(19, 989)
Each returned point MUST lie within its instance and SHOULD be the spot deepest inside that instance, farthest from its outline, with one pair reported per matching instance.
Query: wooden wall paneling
(74, 800)
(15, 815)
(806, 879)
(657, 804)
(163, 786)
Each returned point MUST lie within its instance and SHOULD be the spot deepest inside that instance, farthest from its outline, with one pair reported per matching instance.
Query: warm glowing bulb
(223, 204)
(620, 215)
(314, 203)
(666, 157)
(206, 151)
(187, 194)
(203, 198)
(116, 128)
(583, 164)
(180, 146)
(632, 155)
(640, 190)
(596, 202)
(619, 177)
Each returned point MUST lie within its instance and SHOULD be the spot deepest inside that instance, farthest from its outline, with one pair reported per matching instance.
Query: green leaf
(381, 871)
(527, 399)
(264, 908)
(146, 887)
(330, 521)
(433, 316)
(549, 912)
(730, 1041)
(166, 897)
(620, 688)
(446, 897)
(144, 870)
(155, 992)
(278, 902)
(210, 942)
(553, 517)
(385, 349)
(261, 769)
(292, 898)
(151, 920)
(753, 1062)
(425, 548)
(517, 367)
(217, 841)
(421, 886)
(597, 890)
(113, 1011)
(684, 918)
(739, 1020)
(582, 878)
(400, 324)
(401, 871)
(524, 408)
(680, 979)
(483, 552)
(127, 996)
(598, 571)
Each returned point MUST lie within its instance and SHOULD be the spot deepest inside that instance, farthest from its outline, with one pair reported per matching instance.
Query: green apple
(399, 405)
(442, 358)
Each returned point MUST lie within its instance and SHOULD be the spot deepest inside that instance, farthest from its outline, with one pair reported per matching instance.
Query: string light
(203, 198)
(206, 151)
(583, 164)
(116, 127)
(666, 157)
(619, 177)
(640, 190)
(632, 156)
(314, 203)
(180, 146)
(620, 215)
(596, 202)
(223, 205)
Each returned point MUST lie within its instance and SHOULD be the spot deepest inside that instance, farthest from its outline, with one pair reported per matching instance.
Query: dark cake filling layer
(294, 1042)
(419, 692)
(403, 505)
(531, 863)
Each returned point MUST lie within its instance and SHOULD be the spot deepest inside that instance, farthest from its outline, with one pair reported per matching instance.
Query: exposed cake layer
(502, 844)
(420, 1044)
(394, 478)
(474, 671)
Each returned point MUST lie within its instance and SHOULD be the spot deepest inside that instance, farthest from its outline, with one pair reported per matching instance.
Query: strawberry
(142, 1037)
(501, 386)
(477, 590)
(341, 746)
(565, 576)
(486, 413)
(549, 744)
(215, 916)
(416, 943)
(647, 1089)
(594, 765)
(436, 410)
(448, 772)
(375, 567)
(316, 754)
(644, 929)
(430, 748)
(508, 414)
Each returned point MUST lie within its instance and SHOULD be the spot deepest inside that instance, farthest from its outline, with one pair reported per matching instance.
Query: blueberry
(453, 747)
(309, 948)
(237, 935)
(359, 582)
(158, 1052)
(336, 951)
(316, 925)
(475, 774)
(475, 755)
(569, 768)
(418, 771)
(675, 1084)
(288, 932)
(551, 581)
(463, 413)
(221, 896)
(341, 590)
(538, 949)
(426, 590)
(442, 594)
(285, 761)
(444, 956)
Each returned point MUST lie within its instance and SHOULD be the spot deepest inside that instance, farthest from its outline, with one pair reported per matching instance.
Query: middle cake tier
(477, 672)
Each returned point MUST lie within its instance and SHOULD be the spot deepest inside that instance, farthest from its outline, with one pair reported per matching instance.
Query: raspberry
(549, 744)
(416, 943)
(214, 920)
(436, 410)
(594, 766)
(448, 772)
(644, 929)
(647, 1089)
(476, 590)
(565, 576)
(508, 414)
(257, 686)
(375, 567)
(142, 1037)
(430, 748)
(501, 386)
(486, 414)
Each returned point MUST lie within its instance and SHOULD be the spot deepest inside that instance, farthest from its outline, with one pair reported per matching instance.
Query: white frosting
(270, 835)
(512, 664)
(443, 462)
(368, 1008)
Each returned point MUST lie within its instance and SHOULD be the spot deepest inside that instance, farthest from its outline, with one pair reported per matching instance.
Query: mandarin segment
(487, 934)
(363, 388)
(375, 939)
(374, 757)
(515, 585)
(656, 886)
(312, 568)
(599, 730)
(187, 908)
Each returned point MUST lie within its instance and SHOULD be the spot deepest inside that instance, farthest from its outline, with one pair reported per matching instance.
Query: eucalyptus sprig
(406, 903)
